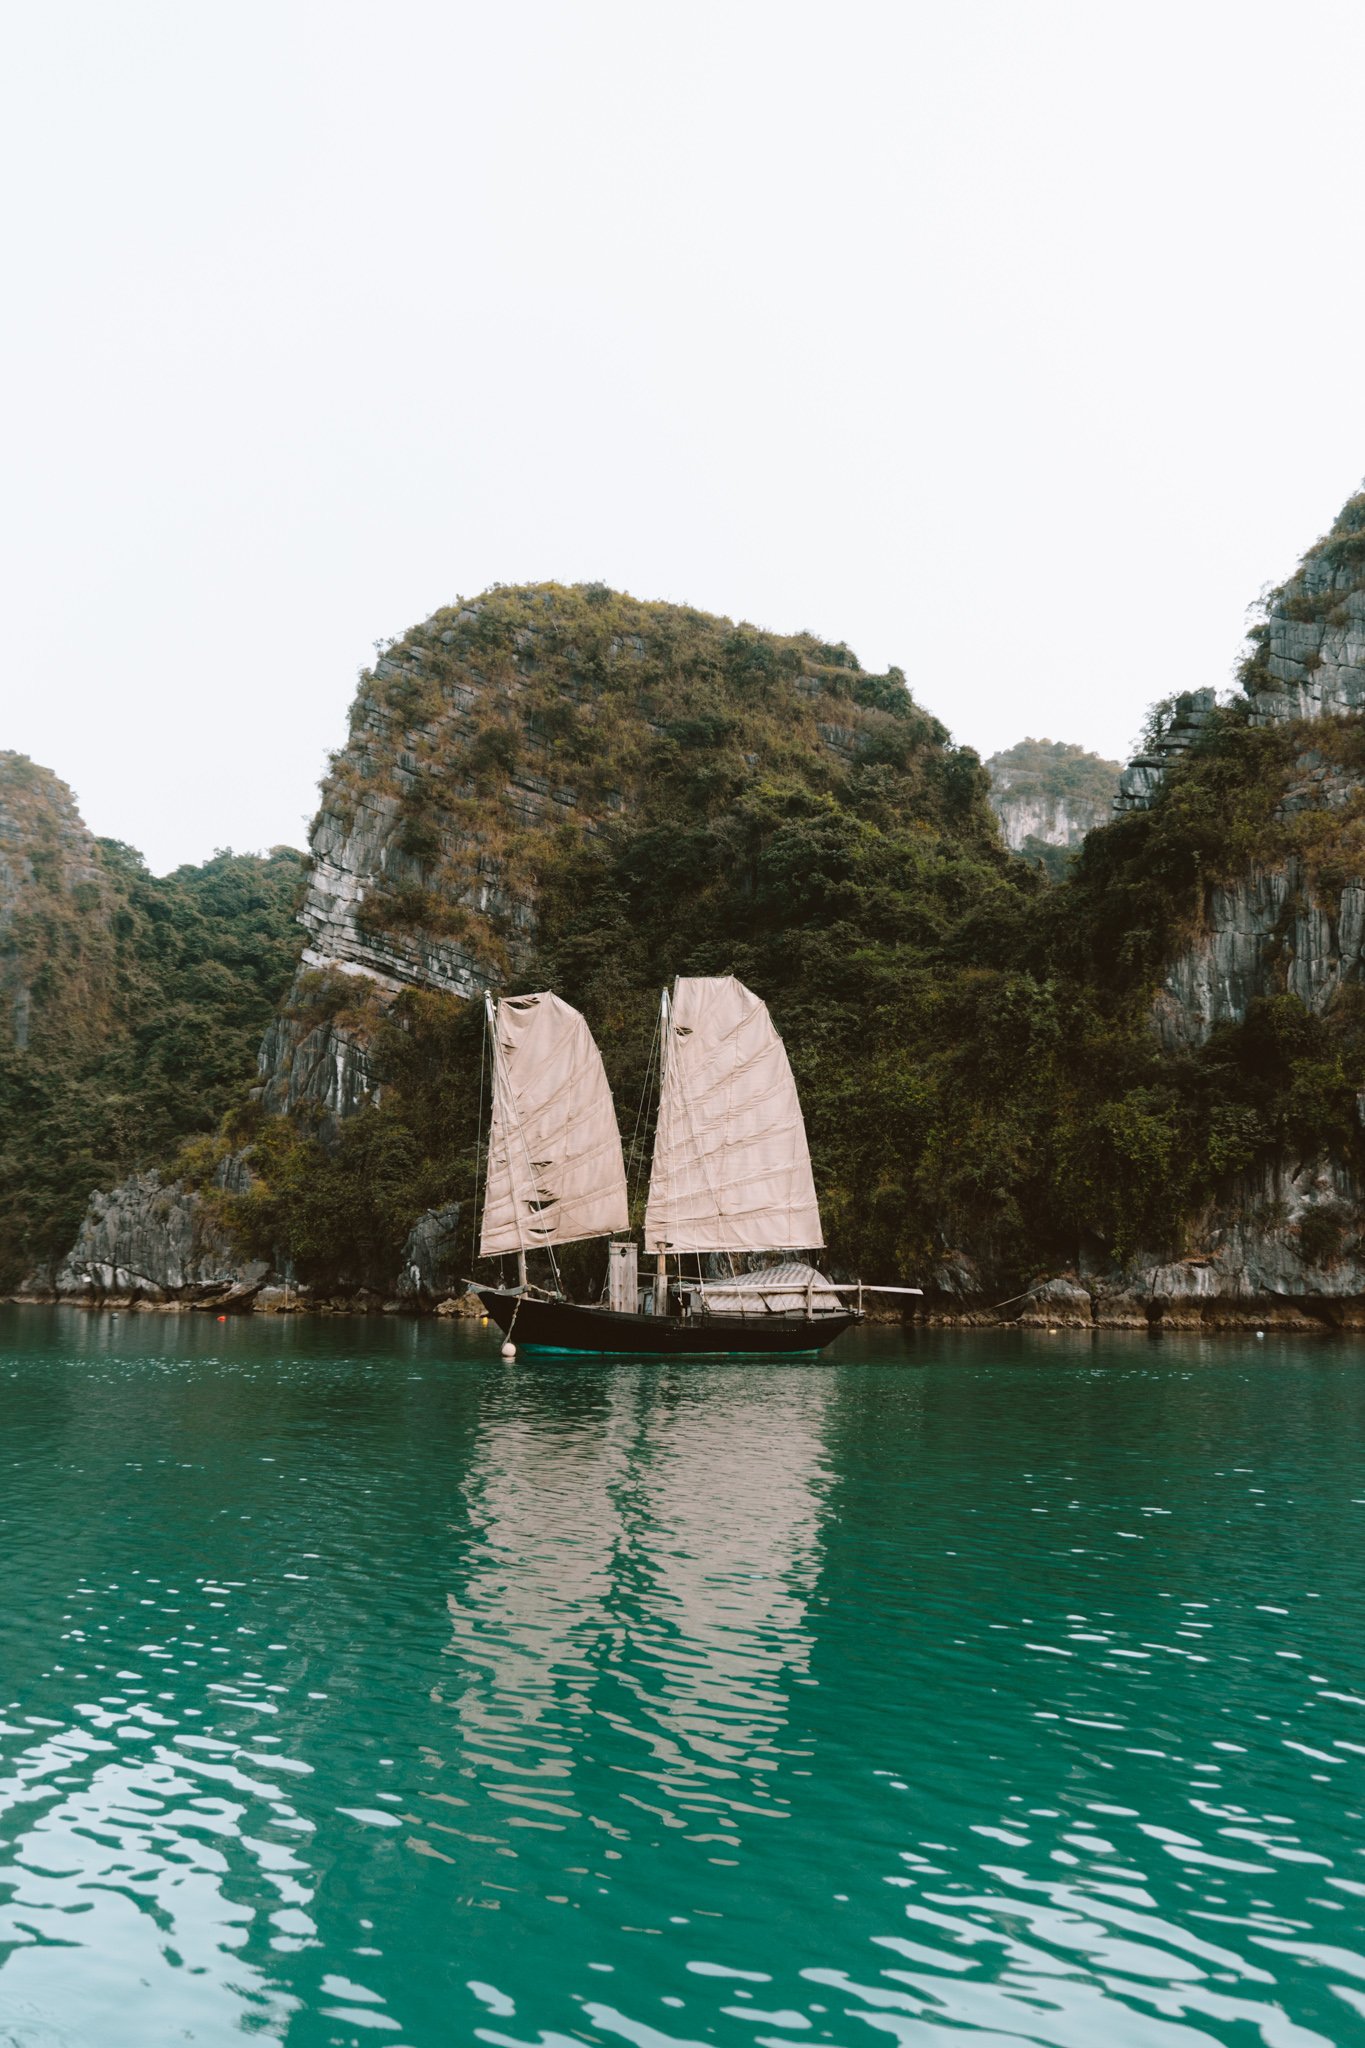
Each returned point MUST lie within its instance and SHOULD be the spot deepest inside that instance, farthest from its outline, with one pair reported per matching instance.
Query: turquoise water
(356, 1687)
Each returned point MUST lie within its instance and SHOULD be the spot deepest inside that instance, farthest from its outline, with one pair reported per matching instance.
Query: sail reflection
(537, 1600)
(634, 1615)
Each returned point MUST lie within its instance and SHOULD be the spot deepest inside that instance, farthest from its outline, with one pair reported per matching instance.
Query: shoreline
(1325, 1317)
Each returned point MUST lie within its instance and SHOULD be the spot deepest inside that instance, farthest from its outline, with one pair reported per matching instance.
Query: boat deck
(534, 1324)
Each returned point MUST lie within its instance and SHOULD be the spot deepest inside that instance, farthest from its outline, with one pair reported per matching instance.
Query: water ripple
(356, 1686)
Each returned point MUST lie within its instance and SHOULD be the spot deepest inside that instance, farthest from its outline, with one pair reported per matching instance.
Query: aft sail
(731, 1165)
(555, 1172)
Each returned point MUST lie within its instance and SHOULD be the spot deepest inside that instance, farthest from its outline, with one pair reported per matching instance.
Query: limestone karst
(1128, 1093)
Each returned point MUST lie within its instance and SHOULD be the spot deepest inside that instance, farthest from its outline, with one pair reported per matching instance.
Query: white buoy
(509, 1350)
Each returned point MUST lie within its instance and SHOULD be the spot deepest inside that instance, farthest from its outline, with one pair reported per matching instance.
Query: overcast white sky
(1018, 344)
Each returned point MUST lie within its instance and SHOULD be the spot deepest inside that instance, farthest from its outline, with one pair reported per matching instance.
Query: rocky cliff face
(431, 1270)
(1309, 652)
(153, 1241)
(1180, 724)
(1283, 1241)
(1267, 933)
(468, 714)
(317, 1052)
(1290, 922)
(1295, 921)
(1047, 820)
(1047, 793)
(1307, 658)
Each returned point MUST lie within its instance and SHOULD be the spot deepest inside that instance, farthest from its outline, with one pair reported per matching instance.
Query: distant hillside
(1048, 795)
(130, 1005)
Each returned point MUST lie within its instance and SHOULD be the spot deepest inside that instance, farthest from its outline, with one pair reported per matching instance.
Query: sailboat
(731, 1178)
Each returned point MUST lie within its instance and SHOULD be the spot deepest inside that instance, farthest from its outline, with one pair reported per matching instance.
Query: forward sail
(555, 1172)
(731, 1164)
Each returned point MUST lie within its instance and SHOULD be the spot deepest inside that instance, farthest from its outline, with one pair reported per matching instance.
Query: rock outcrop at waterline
(160, 1244)
(153, 1241)
(1281, 1250)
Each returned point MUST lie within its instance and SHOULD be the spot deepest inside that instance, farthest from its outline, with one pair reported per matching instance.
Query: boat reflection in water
(645, 1568)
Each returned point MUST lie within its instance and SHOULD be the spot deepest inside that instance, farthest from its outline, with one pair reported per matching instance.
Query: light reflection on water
(357, 1686)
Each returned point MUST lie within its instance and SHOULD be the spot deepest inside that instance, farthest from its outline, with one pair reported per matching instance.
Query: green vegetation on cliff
(736, 800)
(1056, 771)
(976, 1053)
(1160, 1127)
(131, 1005)
(568, 788)
(508, 732)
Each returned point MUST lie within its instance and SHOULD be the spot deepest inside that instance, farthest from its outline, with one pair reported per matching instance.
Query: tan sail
(731, 1165)
(555, 1172)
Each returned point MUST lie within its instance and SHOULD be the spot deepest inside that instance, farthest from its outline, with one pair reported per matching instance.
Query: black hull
(535, 1325)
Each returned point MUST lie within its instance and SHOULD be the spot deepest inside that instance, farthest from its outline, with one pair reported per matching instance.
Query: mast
(491, 1025)
(661, 1257)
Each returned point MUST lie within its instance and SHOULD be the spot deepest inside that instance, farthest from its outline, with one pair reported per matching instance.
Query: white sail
(731, 1165)
(555, 1172)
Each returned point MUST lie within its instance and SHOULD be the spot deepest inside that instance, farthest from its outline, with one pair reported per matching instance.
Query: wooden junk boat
(731, 1178)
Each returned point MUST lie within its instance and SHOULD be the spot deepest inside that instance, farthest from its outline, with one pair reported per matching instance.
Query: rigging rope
(636, 1163)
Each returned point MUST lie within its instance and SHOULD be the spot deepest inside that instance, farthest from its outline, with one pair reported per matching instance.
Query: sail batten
(555, 1171)
(731, 1164)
